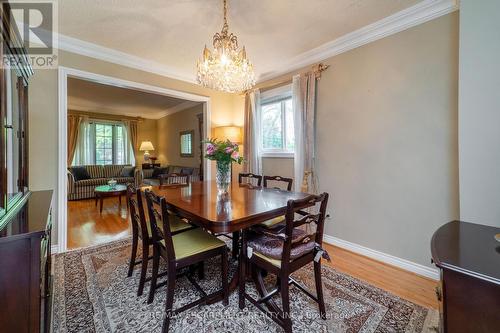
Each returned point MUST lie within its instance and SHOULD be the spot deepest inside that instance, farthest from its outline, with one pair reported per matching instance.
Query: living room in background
(113, 118)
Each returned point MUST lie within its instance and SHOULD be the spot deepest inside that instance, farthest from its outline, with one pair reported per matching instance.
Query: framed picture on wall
(187, 140)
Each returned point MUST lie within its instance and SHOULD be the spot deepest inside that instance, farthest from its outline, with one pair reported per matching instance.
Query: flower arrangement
(224, 153)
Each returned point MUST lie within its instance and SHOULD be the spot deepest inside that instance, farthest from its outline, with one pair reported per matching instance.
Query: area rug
(92, 293)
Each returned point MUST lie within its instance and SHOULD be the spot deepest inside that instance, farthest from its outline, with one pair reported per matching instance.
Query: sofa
(151, 176)
(98, 175)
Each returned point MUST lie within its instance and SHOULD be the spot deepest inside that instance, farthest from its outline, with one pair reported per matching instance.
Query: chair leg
(236, 239)
(319, 289)
(224, 269)
(154, 277)
(241, 275)
(170, 298)
(201, 270)
(144, 268)
(133, 254)
(285, 300)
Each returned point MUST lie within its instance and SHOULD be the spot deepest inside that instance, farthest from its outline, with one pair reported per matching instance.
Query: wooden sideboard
(468, 257)
(25, 267)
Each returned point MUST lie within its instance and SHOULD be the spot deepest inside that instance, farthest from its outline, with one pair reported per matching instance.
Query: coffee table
(105, 191)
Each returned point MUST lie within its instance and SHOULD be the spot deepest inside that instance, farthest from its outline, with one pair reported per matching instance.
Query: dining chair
(278, 179)
(178, 251)
(174, 179)
(141, 230)
(282, 252)
(269, 181)
(250, 179)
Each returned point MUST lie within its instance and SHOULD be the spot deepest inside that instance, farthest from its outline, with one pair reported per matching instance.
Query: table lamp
(146, 146)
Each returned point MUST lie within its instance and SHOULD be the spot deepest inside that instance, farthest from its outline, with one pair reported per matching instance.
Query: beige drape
(304, 103)
(73, 130)
(251, 133)
(133, 137)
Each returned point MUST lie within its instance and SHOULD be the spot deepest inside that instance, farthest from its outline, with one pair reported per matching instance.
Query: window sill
(277, 155)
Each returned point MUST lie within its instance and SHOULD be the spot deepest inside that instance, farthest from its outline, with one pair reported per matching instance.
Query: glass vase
(223, 176)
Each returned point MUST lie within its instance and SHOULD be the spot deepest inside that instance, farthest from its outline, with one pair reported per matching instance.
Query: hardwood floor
(418, 289)
(87, 227)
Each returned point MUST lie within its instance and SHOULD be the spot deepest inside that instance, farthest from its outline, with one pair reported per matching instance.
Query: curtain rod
(316, 69)
(104, 116)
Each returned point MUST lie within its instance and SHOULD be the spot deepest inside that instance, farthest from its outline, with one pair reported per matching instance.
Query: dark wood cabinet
(468, 257)
(25, 266)
(15, 71)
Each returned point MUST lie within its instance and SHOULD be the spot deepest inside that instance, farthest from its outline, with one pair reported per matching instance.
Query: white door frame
(64, 73)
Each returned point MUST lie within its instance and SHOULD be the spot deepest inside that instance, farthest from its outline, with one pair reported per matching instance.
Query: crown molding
(420, 13)
(179, 107)
(92, 50)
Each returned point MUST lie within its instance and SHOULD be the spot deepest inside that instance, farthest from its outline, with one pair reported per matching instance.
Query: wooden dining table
(242, 207)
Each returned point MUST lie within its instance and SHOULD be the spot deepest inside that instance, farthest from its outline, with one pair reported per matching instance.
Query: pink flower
(229, 150)
(210, 149)
(235, 155)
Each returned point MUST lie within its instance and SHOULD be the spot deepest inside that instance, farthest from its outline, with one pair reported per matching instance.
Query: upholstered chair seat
(193, 242)
(270, 247)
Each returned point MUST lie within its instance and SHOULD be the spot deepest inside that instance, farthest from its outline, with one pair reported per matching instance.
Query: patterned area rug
(93, 294)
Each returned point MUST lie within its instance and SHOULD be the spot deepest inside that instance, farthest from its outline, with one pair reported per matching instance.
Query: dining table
(242, 207)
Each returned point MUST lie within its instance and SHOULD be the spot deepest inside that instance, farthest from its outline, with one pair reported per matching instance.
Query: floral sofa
(151, 176)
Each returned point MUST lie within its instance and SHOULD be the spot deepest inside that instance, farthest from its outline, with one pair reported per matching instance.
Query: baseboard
(54, 249)
(407, 265)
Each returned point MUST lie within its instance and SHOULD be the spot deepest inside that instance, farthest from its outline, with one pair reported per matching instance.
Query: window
(277, 127)
(187, 143)
(109, 144)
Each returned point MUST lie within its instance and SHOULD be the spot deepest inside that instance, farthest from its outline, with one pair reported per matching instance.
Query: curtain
(304, 100)
(85, 147)
(126, 146)
(132, 134)
(73, 129)
(251, 133)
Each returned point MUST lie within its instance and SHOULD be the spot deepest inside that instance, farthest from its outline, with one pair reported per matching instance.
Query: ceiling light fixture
(226, 68)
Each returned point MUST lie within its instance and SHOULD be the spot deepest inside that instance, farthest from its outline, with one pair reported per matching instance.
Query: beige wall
(147, 130)
(169, 129)
(479, 112)
(387, 125)
(43, 122)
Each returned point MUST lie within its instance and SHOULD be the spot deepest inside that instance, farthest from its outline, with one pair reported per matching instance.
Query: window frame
(114, 134)
(277, 152)
(191, 134)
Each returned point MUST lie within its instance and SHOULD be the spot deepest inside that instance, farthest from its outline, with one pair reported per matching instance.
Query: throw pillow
(79, 173)
(187, 171)
(128, 171)
(158, 171)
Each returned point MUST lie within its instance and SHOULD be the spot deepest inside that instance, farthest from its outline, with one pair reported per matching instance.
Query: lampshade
(231, 133)
(146, 145)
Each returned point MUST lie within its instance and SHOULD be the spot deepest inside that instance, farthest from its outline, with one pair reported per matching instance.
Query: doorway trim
(63, 74)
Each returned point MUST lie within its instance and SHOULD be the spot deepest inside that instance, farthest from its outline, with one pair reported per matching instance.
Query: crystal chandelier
(226, 68)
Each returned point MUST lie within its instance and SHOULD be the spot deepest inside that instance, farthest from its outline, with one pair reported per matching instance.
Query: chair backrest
(158, 215)
(287, 181)
(317, 217)
(174, 179)
(136, 209)
(251, 178)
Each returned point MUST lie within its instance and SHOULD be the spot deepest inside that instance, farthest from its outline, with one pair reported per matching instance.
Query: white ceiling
(100, 98)
(173, 32)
